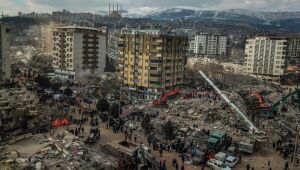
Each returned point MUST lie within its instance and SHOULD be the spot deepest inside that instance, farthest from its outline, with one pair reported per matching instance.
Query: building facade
(78, 51)
(151, 62)
(209, 45)
(5, 62)
(294, 50)
(47, 37)
(265, 57)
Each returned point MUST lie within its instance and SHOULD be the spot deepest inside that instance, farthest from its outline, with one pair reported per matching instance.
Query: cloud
(14, 6)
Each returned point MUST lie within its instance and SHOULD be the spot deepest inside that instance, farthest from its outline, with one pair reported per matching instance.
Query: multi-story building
(152, 62)
(294, 50)
(5, 63)
(78, 51)
(209, 45)
(47, 37)
(265, 56)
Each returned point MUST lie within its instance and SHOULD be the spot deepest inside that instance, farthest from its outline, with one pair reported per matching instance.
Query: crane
(240, 114)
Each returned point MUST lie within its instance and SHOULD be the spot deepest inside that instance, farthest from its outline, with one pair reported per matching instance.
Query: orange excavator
(163, 100)
(261, 100)
(293, 69)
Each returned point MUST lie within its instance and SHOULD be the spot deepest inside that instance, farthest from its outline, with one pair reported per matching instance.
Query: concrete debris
(65, 151)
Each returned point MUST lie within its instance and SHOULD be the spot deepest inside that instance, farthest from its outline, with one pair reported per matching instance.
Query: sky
(14, 6)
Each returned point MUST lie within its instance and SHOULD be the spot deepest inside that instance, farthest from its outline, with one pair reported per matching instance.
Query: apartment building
(265, 57)
(151, 62)
(294, 50)
(5, 63)
(47, 37)
(209, 45)
(78, 51)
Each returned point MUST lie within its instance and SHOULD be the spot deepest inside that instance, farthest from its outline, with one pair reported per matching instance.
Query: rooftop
(152, 32)
(78, 27)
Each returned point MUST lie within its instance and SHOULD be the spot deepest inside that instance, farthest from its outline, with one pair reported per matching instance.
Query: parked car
(231, 161)
(221, 156)
(217, 165)
(231, 151)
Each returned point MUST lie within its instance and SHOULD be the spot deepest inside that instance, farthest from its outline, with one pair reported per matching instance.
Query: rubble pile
(20, 113)
(191, 115)
(103, 84)
(64, 152)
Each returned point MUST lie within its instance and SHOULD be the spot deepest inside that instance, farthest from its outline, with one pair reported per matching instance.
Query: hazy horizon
(12, 7)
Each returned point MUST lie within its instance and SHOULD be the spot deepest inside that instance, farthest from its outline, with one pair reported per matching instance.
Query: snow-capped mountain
(181, 12)
(289, 20)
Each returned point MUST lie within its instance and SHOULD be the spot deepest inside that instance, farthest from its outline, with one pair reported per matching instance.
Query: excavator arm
(282, 100)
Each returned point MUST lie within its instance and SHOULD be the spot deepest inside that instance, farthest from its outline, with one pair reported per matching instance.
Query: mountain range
(285, 19)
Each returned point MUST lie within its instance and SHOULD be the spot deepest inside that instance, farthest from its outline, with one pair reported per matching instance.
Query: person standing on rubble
(174, 162)
(134, 138)
(286, 167)
(183, 158)
(176, 166)
(248, 167)
(160, 151)
(76, 132)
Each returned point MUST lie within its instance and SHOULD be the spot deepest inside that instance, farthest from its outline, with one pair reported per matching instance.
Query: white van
(217, 165)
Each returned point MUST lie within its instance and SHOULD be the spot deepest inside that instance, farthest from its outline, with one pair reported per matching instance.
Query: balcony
(155, 64)
(155, 79)
(154, 86)
(154, 71)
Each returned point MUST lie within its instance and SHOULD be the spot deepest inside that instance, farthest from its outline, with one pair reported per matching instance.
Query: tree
(114, 110)
(68, 91)
(169, 130)
(102, 105)
(146, 124)
(43, 81)
(55, 86)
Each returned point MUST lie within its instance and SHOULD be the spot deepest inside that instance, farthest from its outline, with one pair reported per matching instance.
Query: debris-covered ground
(187, 119)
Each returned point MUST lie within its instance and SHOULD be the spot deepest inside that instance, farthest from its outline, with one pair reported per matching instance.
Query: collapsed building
(19, 115)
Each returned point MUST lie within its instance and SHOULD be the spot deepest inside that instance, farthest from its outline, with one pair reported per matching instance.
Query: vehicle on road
(231, 161)
(217, 165)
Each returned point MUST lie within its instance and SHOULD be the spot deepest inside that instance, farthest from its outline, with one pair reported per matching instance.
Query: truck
(199, 157)
(216, 141)
(246, 147)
